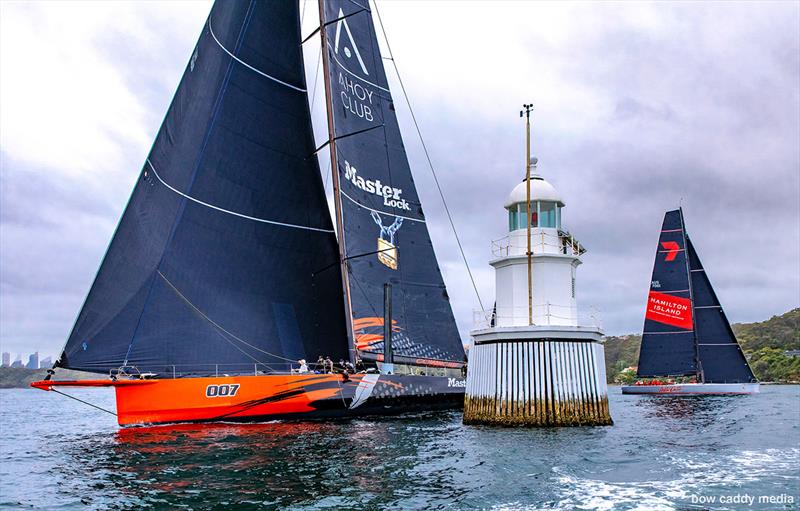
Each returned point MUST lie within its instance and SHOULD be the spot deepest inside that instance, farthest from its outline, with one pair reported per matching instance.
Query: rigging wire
(220, 327)
(327, 178)
(82, 401)
(316, 79)
(428, 156)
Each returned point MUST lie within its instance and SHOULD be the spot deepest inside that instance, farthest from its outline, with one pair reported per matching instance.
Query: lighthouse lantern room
(555, 256)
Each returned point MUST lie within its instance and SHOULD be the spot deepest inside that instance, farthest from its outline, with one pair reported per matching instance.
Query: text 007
(222, 390)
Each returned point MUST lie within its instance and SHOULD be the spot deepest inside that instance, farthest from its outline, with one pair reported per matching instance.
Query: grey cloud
(629, 108)
(144, 51)
(53, 232)
(713, 127)
(707, 112)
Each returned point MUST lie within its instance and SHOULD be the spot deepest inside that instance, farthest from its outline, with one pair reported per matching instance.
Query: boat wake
(692, 478)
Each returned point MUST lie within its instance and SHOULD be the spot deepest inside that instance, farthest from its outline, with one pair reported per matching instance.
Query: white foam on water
(592, 494)
(745, 466)
(697, 477)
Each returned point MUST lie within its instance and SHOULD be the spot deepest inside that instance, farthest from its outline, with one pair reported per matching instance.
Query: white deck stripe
(248, 66)
(381, 212)
(198, 201)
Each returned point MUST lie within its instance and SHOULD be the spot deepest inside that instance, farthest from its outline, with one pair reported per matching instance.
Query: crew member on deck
(303, 366)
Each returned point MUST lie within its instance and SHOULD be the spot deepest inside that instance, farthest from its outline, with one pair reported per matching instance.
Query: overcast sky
(639, 107)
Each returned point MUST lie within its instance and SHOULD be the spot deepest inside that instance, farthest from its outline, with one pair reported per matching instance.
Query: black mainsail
(385, 238)
(685, 331)
(225, 256)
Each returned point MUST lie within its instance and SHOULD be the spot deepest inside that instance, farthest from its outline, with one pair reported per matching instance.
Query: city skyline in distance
(34, 361)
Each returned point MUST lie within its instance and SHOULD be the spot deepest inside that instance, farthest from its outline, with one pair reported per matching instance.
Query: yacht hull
(692, 389)
(270, 397)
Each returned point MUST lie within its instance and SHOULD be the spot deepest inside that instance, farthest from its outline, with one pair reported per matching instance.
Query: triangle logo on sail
(348, 51)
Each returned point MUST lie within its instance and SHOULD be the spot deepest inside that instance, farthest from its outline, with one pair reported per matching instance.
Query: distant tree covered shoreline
(21, 377)
(772, 348)
(768, 345)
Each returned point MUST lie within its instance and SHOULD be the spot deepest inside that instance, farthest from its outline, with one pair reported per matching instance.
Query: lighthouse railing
(546, 314)
(516, 243)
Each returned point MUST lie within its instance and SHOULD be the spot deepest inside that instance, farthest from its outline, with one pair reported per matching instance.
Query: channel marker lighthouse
(535, 361)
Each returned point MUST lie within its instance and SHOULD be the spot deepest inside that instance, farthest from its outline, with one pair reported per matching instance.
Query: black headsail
(668, 345)
(385, 237)
(217, 263)
(721, 357)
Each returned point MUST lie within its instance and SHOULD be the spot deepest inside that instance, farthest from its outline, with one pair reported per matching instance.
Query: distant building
(33, 361)
(6, 359)
(18, 362)
(46, 363)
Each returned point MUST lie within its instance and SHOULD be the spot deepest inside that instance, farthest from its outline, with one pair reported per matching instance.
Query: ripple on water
(58, 455)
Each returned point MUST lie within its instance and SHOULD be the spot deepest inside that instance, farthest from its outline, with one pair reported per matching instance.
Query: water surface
(662, 453)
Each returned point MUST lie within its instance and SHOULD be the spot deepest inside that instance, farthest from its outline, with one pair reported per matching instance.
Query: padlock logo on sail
(387, 251)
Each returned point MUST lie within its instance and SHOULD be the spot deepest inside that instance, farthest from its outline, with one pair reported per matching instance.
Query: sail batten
(223, 210)
(240, 61)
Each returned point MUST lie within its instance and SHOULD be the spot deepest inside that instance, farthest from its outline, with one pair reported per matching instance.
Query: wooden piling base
(537, 383)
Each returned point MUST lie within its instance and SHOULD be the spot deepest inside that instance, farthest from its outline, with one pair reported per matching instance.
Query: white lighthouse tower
(554, 260)
(534, 359)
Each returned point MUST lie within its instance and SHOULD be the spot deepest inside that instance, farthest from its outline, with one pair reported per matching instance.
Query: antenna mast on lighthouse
(527, 113)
